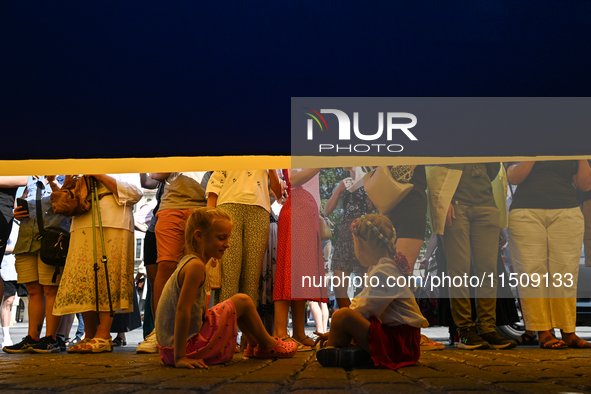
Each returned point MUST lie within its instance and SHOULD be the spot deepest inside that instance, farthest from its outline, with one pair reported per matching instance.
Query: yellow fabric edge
(208, 163)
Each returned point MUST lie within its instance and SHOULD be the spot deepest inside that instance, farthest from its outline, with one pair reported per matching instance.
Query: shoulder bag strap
(39, 212)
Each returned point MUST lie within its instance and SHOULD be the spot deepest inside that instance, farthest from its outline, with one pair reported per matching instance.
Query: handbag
(325, 228)
(213, 270)
(73, 198)
(383, 190)
(54, 241)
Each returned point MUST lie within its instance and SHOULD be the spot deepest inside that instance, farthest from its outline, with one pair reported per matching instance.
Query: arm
(518, 172)
(334, 199)
(275, 184)
(13, 181)
(127, 189)
(582, 179)
(193, 272)
(53, 183)
(214, 187)
(212, 200)
(159, 176)
(147, 182)
(299, 177)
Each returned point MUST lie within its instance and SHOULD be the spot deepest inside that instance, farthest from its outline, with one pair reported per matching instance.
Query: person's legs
(298, 314)
(484, 243)
(325, 314)
(456, 242)
(340, 292)
(170, 240)
(36, 309)
(317, 316)
(565, 236)
(5, 316)
(250, 323)
(346, 325)
(90, 324)
(281, 315)
(51, 321)
(255, 242)
(232, 260)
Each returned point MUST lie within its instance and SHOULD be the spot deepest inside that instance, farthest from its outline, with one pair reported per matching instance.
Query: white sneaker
(7, 342)
(149, 345)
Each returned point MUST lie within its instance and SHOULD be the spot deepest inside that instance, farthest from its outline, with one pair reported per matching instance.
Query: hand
(450, 215)
(345, 183)
(191, 363)
(20, 213)
(322, 338)
(50, 178)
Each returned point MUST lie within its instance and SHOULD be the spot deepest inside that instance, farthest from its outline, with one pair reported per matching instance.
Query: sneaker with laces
(470, 340)
(149, 345)
(23, 346)
(47, 345)
(497, 341)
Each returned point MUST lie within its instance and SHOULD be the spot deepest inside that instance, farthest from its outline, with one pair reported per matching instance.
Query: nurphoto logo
(392, 121)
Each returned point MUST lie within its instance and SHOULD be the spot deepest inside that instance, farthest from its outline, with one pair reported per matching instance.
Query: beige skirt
(76, 291)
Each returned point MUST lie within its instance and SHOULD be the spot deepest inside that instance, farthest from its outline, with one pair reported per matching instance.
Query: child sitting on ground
(384, 319)
(188, 335)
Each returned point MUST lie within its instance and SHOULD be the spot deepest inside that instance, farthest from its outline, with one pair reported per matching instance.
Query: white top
(116, 211)
(393, 305)
(249, 187)
(8, 270)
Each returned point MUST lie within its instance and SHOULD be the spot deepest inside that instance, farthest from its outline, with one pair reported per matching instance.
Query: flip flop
(528, 340)
(545, 343)
(429, 344)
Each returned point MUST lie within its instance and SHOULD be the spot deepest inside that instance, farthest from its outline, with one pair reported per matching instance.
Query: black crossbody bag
(54, 241)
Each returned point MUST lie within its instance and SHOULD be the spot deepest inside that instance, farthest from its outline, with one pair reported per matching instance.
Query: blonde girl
(190, 336)
(384, 320)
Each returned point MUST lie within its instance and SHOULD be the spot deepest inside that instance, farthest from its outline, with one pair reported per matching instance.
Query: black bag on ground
(54, 241)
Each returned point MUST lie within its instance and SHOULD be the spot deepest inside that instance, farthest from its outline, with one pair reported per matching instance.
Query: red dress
(298, 240)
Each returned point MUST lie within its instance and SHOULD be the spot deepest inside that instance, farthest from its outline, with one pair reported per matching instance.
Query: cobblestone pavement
(527, 370)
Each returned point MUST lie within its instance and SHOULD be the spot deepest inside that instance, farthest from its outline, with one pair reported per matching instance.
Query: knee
(50, 291)
(34, 289)
(342, 316)
(242, 300)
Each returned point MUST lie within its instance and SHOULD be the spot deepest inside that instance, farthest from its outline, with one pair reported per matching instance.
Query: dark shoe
(528, 340)
(75, 341)
(47, 345)
(470, 340)
(62, 342)
(497, 341)
(24, 346)
(345, 357)
(119, 342)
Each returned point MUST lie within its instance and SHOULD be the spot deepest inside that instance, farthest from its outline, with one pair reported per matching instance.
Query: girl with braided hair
(384, 320)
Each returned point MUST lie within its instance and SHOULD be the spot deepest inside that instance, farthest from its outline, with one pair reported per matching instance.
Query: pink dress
(298, 241)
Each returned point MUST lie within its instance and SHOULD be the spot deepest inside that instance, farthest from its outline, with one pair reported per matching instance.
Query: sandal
(550, 341)
(344, 357)
(429, 344)
(100, 345)
(300, 346)
(308, 339)
(579, 343)
(119, 342)
(78, 346)
(528, 340)
(282, 349)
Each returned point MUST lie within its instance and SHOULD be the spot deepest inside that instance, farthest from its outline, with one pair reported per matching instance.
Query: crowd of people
(210, 234)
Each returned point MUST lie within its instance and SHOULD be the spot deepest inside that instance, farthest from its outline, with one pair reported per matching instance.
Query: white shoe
(7, 342)
(149, 345)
